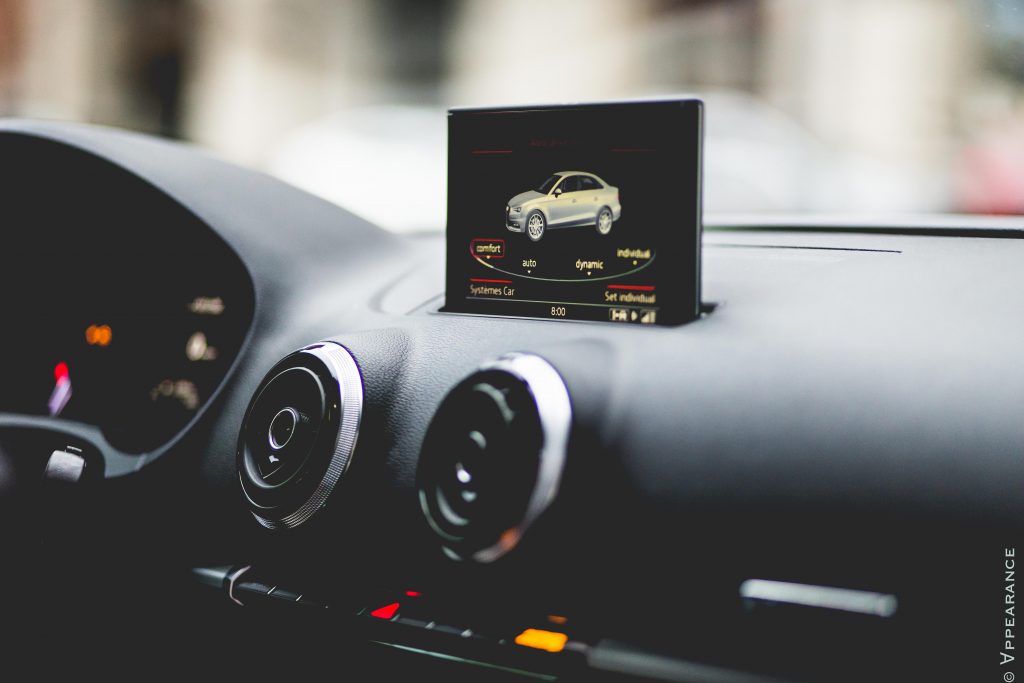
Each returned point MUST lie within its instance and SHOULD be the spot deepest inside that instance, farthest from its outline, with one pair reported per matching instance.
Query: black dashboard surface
(845, 413)
(123, 311)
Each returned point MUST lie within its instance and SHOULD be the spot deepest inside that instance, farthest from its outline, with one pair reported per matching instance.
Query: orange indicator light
(98, 335)
(549, 641)
(557, 619)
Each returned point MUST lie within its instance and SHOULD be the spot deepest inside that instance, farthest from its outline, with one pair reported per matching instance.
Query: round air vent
(299, 433)
(493, 456)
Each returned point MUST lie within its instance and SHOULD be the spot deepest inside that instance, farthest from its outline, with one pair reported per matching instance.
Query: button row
(252, 593)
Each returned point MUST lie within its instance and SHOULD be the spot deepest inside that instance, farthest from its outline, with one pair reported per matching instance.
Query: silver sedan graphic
(567, 199)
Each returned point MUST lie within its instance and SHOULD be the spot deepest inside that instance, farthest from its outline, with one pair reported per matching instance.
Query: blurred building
(875, 105)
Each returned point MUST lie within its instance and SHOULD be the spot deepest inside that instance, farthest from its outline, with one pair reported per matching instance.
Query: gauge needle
(61, 391)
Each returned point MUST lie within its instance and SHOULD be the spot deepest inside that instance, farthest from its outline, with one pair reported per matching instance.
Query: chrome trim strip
(822, 597)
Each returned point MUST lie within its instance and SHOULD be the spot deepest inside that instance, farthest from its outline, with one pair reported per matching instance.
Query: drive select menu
(585, 212)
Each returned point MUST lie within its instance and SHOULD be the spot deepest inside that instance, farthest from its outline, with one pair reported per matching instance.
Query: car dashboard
(817, 478)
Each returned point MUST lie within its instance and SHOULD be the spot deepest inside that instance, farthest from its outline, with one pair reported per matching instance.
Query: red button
(385, 612)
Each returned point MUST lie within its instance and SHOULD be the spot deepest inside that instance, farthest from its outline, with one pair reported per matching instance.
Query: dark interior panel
(820, 473)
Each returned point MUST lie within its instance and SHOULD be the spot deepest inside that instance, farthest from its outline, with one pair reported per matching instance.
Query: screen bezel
(677, 312)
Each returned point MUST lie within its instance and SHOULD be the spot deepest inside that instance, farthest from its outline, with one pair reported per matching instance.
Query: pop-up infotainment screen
(586, 212)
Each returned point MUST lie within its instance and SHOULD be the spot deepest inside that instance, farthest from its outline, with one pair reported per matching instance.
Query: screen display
(585, 212)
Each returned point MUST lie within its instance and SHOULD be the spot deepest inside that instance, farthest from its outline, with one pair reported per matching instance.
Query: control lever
(65, 466)
(45, 500)
(32, 460)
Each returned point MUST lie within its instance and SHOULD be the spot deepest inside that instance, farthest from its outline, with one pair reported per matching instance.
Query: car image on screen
(567, 199)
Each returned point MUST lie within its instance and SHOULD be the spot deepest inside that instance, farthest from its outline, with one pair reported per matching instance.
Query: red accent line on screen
(639, 288)
(492, 151)
(500, 282)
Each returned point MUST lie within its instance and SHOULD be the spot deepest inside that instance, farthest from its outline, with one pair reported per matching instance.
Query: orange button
(549, 641)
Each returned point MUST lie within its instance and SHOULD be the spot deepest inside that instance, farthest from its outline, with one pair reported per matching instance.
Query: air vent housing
(492, 460)
(299, 434)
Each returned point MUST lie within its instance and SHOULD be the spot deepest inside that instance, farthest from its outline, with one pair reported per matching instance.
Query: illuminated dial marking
(561, 279)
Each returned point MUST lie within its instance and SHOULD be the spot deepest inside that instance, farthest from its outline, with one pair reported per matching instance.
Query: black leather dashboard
(847, 412)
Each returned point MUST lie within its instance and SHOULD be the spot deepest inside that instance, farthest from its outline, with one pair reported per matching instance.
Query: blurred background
(876, 106)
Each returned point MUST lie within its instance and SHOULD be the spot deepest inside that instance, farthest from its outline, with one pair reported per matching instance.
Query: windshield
(546, 186)
(856, 108)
